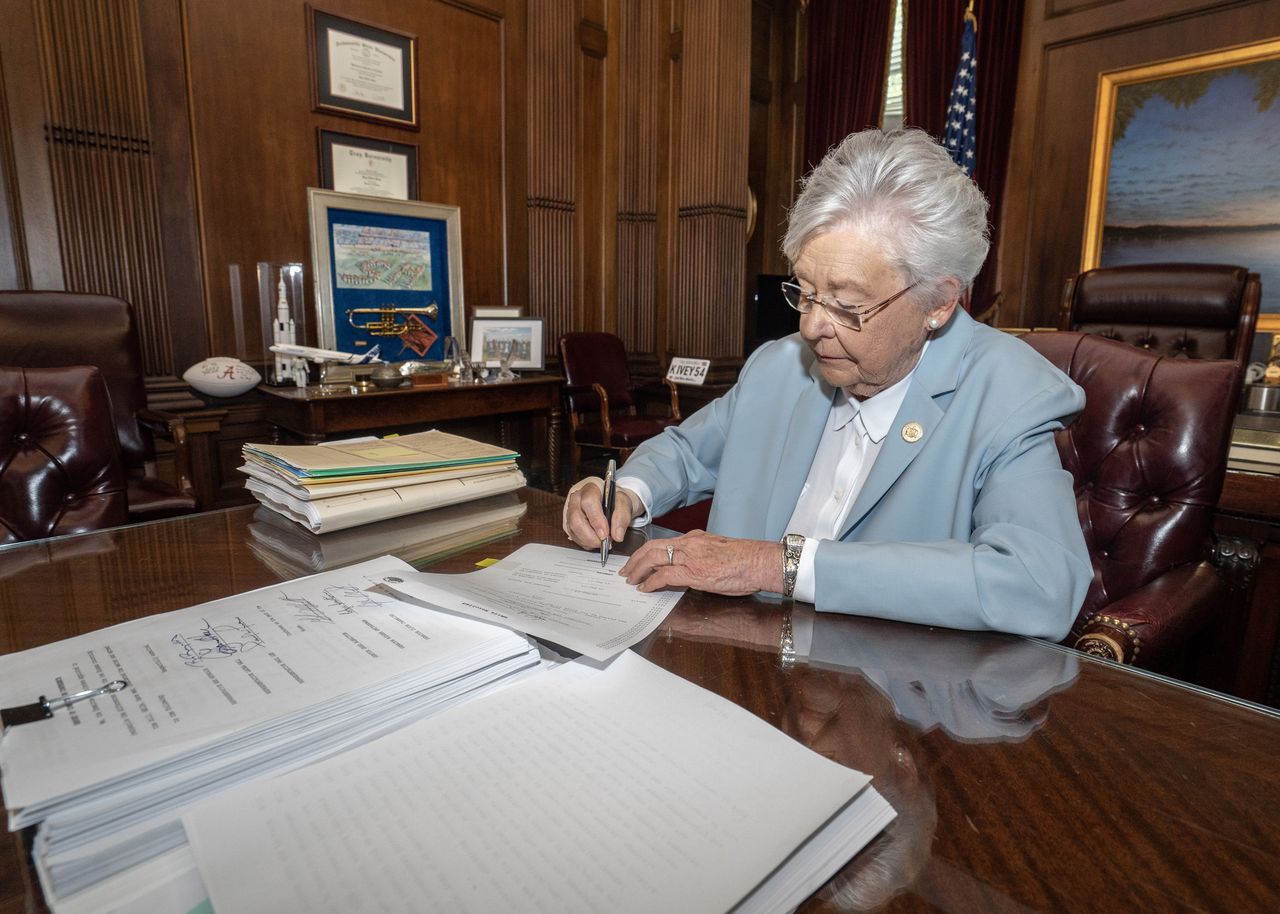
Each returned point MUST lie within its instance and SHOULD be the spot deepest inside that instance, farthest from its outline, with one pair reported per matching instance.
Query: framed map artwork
(388, 273)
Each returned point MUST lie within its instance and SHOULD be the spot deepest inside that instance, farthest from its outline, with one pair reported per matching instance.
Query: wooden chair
(601, 398)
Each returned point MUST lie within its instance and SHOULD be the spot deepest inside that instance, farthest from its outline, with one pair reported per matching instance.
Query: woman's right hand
(584, 518)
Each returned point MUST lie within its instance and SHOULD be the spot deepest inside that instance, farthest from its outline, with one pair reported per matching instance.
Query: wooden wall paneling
(670, 92)
(707, 315)
(254, 136)
(31, 182)
(552, 153)
(641, 46)
(774, 162)
(164, 59)
(13, 248)
(1065, 48)
(597, 160)
(100, 151)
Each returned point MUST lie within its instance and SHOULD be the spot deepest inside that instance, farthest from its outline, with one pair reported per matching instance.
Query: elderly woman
(894, 458)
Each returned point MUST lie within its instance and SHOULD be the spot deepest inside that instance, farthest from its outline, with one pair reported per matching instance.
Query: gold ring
(671, 555)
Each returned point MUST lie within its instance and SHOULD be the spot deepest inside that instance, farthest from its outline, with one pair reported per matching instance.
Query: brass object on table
(385, 324)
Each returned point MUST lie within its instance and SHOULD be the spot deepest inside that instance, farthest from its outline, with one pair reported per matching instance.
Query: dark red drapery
(844, 71)
(933, 31)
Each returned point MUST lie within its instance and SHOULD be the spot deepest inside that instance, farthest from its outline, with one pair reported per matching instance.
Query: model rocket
(282, 332)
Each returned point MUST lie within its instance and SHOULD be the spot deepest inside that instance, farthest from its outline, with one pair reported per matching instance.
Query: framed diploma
(362, 70)
(364, 165)
(388, 273)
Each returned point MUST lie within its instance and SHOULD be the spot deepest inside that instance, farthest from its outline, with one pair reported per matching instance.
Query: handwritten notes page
(622, 789)
(241, 665)
(561, 595)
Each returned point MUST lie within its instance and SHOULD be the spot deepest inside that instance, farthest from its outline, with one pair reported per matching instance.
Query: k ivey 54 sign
(688, 371)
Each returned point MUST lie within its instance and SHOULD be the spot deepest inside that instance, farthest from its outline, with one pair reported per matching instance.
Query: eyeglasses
(838, 311)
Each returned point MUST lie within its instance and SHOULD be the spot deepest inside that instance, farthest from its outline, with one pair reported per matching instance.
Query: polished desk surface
(1025, 776)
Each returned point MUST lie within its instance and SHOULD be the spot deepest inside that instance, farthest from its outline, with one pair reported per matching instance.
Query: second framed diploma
(364, 165)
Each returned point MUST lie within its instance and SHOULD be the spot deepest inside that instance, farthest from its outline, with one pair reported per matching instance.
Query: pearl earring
(933, 323)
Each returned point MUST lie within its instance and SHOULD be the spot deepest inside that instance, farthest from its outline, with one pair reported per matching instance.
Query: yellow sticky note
(485, 563)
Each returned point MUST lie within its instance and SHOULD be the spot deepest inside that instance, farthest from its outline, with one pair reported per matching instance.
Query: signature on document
(216, 641)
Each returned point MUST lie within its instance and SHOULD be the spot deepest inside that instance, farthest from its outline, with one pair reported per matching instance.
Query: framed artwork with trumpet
(388, 273)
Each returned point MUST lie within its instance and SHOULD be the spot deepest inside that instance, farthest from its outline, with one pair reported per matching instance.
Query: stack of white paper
(221, 694)
(622, 790)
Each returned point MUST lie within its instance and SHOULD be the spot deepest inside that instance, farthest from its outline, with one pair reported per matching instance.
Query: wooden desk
(1026, 776)
(314, 416)
(1249, 508)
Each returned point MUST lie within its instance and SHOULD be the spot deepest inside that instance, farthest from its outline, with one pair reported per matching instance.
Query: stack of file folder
(221, 694)
(342, 484)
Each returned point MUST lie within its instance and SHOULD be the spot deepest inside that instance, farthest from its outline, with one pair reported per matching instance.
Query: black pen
(610, 495)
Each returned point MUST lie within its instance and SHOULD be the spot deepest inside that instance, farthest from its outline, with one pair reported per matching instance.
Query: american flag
(961, 137)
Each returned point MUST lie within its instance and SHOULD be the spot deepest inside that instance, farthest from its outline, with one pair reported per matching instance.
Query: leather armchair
(52, 329)
(601, 398)
(60, 467)
(1199, 311)
(1148, 456)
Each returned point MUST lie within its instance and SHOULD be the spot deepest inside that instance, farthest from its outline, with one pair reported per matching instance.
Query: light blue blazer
(971, 526)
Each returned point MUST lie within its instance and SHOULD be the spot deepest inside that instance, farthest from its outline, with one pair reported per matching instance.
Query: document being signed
(550, 592)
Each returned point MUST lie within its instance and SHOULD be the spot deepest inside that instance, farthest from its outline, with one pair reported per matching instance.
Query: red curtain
(933, 31)
(844, 71)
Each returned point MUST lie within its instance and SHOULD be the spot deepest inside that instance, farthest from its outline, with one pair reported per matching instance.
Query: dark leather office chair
(601, 398)
(1148, 456)
(1199, 311)
(60, 467)
(52, 329)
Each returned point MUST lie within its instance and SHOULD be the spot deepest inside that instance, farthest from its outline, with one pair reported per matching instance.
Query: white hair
(902, 189)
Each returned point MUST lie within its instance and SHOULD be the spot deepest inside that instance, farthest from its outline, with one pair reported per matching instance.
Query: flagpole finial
(970, 16)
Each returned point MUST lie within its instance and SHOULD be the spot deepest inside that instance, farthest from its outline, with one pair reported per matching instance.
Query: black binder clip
(44, 708)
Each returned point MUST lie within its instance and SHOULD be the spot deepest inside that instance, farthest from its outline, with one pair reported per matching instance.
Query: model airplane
(328, 355)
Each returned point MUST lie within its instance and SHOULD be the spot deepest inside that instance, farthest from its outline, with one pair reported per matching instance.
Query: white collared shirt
(851, 441)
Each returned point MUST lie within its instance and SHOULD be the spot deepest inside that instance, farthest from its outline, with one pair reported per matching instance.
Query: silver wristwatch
(792, 545)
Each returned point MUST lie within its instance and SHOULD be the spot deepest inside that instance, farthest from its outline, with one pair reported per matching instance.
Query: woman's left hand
(704, 561)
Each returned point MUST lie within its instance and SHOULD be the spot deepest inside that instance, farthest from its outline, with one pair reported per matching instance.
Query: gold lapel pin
(912, 432)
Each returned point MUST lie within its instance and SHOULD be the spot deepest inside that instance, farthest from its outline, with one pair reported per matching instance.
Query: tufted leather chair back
(60, 469)
(1198, 311)
(1148, 456)
(50, 329)
(595, 358)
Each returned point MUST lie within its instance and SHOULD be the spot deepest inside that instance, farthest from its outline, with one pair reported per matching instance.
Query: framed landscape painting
(1185, 166)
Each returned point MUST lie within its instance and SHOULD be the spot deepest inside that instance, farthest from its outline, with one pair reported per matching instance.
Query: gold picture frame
(1181, 81)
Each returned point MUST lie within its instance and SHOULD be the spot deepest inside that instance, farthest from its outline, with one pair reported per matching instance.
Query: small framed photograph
(388, 273)
(362, 70)
(491, 337)
(364, 165)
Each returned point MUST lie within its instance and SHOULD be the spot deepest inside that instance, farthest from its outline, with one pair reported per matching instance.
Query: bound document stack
(221, 694)
(341, 484)
(623, 789)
